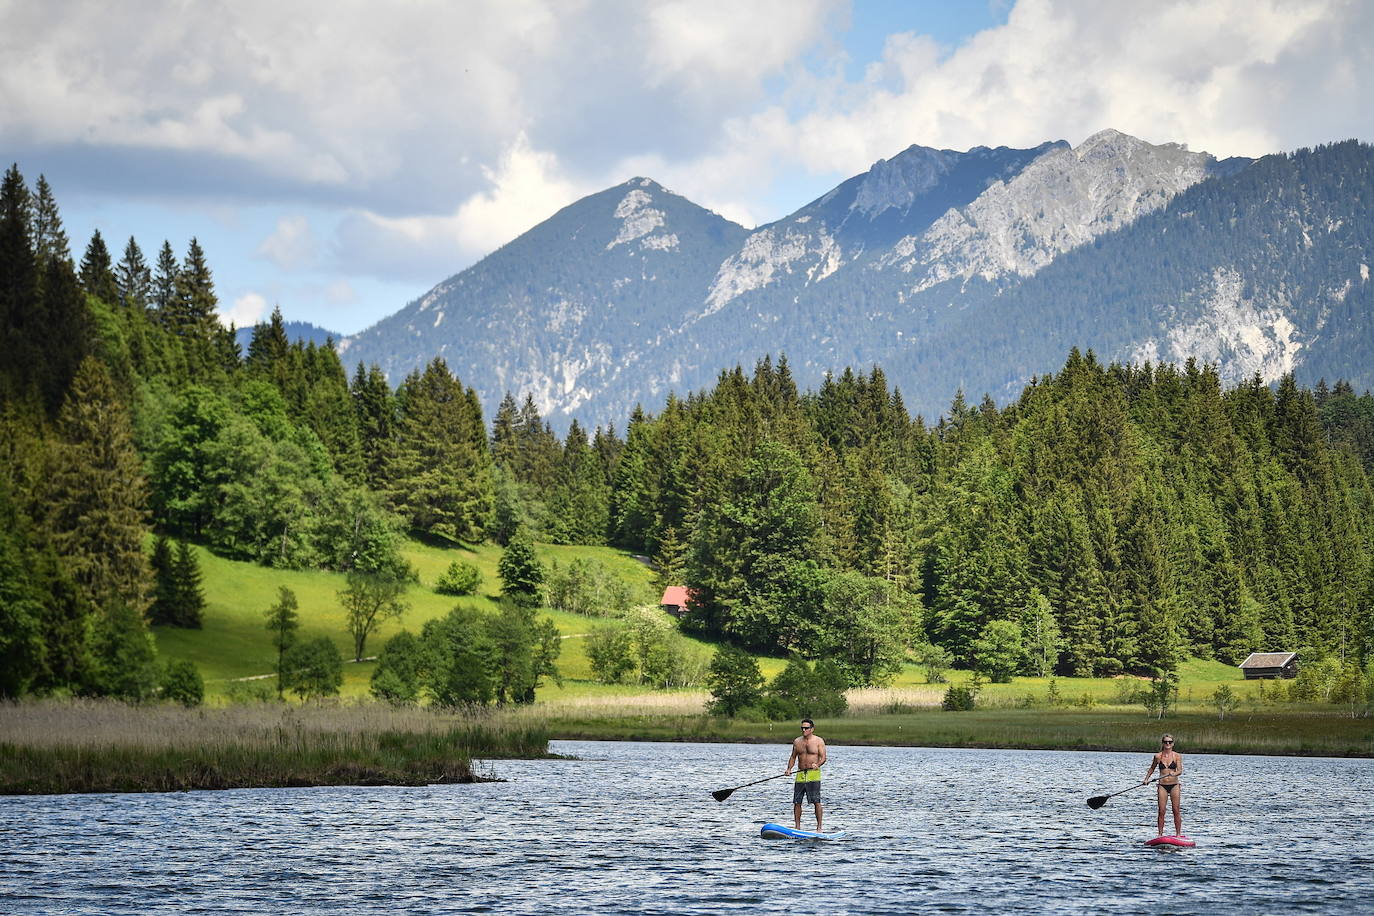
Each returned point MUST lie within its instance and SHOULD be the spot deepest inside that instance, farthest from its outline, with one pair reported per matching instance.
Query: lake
(632, 828)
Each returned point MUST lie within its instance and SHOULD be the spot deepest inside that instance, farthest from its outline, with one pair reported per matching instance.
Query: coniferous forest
(1111, 519)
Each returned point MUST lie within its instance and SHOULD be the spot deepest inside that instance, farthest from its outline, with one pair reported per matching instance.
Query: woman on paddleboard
(1170, 764)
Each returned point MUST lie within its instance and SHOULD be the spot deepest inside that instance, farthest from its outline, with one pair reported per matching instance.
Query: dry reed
(88, 746)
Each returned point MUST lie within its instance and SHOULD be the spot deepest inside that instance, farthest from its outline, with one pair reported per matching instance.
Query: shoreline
(1278, 733)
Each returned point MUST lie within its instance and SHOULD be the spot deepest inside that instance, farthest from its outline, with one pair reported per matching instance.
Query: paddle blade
(722, 794)
(1097, 801)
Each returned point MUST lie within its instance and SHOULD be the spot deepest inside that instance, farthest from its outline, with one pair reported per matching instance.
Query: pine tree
(522, 575)
(50, 241)
(439, 477)
(97, 496)
(21, 322)
(164, 286)
(163, 610)
(133, 278)
(190, 597)
(97, 271)
(375, 409)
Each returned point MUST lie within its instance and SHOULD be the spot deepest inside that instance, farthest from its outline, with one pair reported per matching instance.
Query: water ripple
(631, 828)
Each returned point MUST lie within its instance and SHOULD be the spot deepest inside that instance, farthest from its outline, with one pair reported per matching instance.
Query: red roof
(675, 595)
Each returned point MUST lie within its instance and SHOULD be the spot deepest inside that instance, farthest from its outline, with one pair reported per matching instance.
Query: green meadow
(1086, 713)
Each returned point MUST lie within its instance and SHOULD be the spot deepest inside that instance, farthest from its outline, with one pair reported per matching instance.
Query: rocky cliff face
(1063, 199)
(970, 270)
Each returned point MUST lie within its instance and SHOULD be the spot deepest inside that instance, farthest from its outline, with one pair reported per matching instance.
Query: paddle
(723, 794)
(1097, 801)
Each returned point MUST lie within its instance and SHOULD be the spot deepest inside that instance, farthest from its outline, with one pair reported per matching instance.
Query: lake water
(632, 828)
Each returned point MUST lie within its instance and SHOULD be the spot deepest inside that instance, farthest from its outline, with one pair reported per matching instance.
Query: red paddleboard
(1170, 841)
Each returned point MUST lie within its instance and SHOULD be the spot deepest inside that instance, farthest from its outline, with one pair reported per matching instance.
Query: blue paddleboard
(779, 832)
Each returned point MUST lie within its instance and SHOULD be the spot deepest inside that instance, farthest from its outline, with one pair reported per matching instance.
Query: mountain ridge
(913, 265)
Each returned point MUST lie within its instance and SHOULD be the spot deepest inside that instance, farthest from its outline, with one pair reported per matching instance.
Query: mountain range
(953, 271)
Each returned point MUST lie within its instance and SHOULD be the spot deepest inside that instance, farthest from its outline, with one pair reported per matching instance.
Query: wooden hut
(674, 600)
(1270, 665)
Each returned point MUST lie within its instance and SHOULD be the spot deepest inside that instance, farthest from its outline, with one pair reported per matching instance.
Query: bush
(935, 660)
(800, 690)
(959, 699)
(734, 680)
(998, 651)
(522, 575)
(610, 650)
(589, 588)
(396, 678)
(459, 579)
(1225, 700)
(182, 683)
(313, 669)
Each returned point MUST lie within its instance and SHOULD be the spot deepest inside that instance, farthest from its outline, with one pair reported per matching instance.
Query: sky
(338, 158)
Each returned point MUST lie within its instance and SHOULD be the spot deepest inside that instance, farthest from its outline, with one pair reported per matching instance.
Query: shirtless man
(808, 753)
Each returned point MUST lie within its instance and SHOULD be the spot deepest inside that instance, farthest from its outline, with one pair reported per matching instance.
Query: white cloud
(246, 311)
(1233, 77)
(441, 130)
(292, 245)
(526, 188)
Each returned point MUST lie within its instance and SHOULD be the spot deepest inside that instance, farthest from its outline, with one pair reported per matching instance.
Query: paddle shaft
(1101, 799)
(723, 794)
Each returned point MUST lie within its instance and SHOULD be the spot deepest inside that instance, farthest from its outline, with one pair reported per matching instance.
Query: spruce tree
(522, 575)
(375, 409)
(190, 596)
(50, 241)
(133, 278)
(97, 496)
(97, 271)
(163, 610)
(195, 295)
(164, 286)
(439, 477)
(21, 324)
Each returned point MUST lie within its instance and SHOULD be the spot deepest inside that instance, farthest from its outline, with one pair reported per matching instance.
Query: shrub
(396, 678)
(935, 660)
(459, 579)
(958, 699)
(589, 588)
(800, 690)
(610, 650)
(1225, 700)
(182, 683)
(313, 669)
(734, 680)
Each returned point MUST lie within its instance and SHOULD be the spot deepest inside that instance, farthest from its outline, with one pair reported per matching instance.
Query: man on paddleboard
(808, 753)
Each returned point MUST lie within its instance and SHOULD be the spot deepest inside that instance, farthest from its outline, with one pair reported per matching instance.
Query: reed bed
(649, 703)
(50, 747)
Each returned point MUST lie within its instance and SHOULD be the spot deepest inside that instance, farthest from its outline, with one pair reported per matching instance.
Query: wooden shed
(1270, 665)
(674, 600)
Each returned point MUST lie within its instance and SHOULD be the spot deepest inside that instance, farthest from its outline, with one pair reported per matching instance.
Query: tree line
(1112, 519)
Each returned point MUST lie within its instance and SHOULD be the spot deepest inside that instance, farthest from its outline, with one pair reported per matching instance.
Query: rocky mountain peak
(897, 182)
(1063, 199)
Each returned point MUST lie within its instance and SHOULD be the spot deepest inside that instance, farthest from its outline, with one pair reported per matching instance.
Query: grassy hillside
(235, 644)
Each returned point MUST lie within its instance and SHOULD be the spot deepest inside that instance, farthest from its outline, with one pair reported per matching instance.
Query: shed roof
(1268, 659)
(675, 595)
